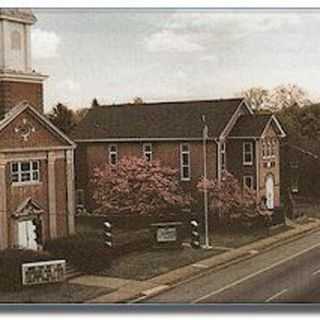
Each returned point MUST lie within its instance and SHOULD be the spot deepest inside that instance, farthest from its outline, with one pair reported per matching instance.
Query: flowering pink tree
(231, 202)
(137, 186)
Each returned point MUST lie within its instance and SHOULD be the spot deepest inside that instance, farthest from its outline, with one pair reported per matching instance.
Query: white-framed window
(248, 153)
(264, 150)
(185, 162)
(147, 151)
(25, 171)
(273, 149)
(223, 155)
(113, 154)
(269, 149)
(248, 182)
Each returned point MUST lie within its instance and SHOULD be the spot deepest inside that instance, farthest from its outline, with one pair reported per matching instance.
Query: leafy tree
(309, 120)
(231, 203)
(137, 186)
(94, 103)
(63, 118)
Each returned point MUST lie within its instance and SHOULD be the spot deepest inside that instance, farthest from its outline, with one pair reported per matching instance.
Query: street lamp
(205, 189)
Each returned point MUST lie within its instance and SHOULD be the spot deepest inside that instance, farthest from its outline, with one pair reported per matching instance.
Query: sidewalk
(132, 290)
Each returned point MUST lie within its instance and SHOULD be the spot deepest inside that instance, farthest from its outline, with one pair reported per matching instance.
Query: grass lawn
(148, 264)
(235, 240)
(312, 211)
(54, 293)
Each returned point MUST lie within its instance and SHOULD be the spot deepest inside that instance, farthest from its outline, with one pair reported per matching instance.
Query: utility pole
(205, 189)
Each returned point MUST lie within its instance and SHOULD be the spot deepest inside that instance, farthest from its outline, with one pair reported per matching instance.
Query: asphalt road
(290, 273)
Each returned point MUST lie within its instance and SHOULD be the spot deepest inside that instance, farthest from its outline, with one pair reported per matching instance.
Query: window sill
(26, 184)
(185, 180)
(248, 163)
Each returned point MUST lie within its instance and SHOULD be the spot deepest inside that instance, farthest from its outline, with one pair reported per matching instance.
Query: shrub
(11, 261)
(233, 205)
(86, 252)
(140, 187)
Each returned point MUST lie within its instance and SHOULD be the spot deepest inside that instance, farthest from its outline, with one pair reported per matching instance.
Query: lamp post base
(206, 247)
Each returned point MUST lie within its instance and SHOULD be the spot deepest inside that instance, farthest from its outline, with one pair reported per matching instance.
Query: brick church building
(36, 159)
(244, 143)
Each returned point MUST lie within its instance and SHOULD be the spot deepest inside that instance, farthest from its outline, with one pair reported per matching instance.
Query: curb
(278, 241)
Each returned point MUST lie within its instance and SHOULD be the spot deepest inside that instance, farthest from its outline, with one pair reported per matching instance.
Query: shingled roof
(250, 126)
(156, 120)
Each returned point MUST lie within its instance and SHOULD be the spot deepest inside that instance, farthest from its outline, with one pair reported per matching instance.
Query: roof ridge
(169, 102)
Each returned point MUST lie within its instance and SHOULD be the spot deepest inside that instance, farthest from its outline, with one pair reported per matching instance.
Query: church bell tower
(18, 81)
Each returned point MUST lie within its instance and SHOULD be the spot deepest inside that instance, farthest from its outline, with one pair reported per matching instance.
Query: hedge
(87, 254)
(11, 261)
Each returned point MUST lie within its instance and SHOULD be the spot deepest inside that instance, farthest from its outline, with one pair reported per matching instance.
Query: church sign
(43, 272)
(167, 235)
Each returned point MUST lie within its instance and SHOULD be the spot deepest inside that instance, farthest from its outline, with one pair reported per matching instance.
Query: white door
(270, 192)
(26, 235)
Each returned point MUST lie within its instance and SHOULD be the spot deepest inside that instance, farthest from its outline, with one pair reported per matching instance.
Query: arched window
(15, 40)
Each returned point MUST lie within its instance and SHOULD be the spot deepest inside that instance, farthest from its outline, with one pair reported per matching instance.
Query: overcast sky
(164, 55)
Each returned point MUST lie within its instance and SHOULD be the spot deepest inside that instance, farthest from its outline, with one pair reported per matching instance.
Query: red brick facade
(53, 191)
(93, 155)
(242, 127)
(13, 92)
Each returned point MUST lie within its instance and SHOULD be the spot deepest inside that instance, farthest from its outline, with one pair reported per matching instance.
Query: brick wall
(234, 152)
(270, 166)
(16, 194)
(89, 156)
(41, 137)
(12, 93)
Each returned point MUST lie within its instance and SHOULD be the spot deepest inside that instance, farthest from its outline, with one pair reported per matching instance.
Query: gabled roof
(17, 110)
(166, 120)
(254, 125)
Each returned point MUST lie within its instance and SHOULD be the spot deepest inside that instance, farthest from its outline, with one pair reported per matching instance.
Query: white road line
(235, 283)
(278, 294)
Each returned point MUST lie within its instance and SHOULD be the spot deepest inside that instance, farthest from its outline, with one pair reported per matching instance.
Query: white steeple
(15, 40)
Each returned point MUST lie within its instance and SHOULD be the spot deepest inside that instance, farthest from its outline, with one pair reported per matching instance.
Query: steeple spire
(18, 81)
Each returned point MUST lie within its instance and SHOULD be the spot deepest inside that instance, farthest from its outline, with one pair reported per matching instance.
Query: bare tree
(138, 100)
(256, 97)
(285, 96)
(279, 98)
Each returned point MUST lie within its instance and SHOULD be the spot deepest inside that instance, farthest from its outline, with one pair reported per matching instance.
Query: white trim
(273, 118)
(244, 162)
(23, 77)
(144, 152)
(244, 137)
(258, 144)
(223, 151)
(16, 111)
(234, 118)
(37, 149)
(20, 172)
(142, 139)
(219, 161)
(181, 162)
(3, 205)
